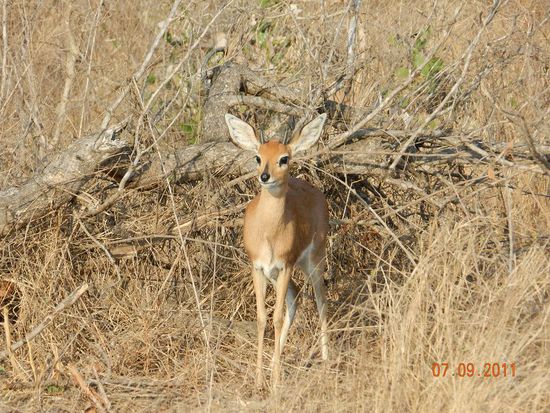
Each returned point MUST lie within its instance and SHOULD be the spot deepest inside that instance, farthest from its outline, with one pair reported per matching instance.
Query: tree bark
(63, 177)
(59, 180)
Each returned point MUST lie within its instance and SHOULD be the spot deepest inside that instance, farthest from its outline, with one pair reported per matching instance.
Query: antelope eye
(258, 160)
(283, 161)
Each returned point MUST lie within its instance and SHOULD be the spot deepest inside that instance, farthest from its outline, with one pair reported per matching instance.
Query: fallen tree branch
(60, 180)
(227, 83)
(263, 103)
(368, 154)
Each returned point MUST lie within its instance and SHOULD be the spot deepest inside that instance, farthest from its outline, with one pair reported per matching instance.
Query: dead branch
(141, 70)
(7, 332)
(467, 60)
(70, 65)
(347, 79)
(355, 151)
(60, 179)
(263, 103)
(227, 83)
(101, 403)
(216, 105)
(364, 152)
(67, 302)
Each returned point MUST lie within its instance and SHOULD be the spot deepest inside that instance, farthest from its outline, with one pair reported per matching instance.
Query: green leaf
(54, 389)
(421, 40)
(168, 37)
(433, 124)
(417, 59)
(262, 33)
(392, 40)
(190, 131)
(402, 72)
(419, 44)
(433, 67)
(262, 37)
(267, 3)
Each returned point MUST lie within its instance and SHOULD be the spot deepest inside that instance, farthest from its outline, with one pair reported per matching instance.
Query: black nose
(264, 177)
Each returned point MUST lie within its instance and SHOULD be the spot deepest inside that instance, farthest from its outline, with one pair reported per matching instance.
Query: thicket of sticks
(152, 196)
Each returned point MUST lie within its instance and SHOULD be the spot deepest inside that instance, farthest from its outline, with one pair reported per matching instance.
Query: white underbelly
(270, 265)
(267, 263)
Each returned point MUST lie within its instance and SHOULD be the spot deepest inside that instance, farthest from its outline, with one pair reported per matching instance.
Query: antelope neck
(273, 200)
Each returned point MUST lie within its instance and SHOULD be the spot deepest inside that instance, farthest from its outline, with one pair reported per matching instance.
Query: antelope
(285, 225)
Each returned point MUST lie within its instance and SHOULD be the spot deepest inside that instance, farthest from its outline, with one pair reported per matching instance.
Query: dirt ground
(438, 273)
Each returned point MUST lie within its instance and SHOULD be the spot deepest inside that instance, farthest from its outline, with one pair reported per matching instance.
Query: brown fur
(281, 223)
(289, 217)
(284, 221)
(285, 225)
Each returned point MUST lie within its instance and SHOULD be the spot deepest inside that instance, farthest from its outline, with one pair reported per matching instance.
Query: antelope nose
(264, 177)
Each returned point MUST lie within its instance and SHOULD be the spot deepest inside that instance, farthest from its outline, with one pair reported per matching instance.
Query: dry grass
(172, 329)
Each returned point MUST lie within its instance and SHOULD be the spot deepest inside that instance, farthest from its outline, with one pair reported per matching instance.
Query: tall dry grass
(173, 328)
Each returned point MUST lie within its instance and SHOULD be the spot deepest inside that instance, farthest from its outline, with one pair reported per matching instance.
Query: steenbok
(286, 224)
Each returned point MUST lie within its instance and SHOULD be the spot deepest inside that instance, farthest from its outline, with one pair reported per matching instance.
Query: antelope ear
(242, 133)
(309, 135)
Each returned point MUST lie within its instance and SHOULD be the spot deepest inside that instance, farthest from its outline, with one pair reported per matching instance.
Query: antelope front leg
(278, 314)
(259, 288)
(291, 305)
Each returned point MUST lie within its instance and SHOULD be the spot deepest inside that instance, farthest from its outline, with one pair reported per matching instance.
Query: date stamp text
(472, 370)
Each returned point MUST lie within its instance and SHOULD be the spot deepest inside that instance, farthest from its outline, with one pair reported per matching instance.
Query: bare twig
(506, 192)
(328, 62)
(70, 62)
(467, 59)
(7, 333)
(90, 57)
(67, 302)
(102, 392)
(530, 142)
(219, 46)
(4, 50)
(343, 137)
(96, 241)
(96, 399)
(346, 79)
(352, 34)
(144, 64)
